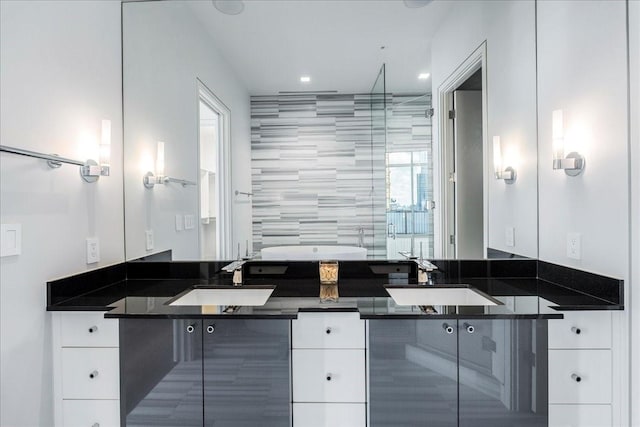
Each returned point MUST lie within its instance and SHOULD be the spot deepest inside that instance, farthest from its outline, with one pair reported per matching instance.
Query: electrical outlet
(189, 222)
(179, 223)
(574, 245)
(149, 239)
(510, 236)
(93, 250)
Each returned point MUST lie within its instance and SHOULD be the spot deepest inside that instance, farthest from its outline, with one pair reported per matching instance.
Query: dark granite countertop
(361, 288)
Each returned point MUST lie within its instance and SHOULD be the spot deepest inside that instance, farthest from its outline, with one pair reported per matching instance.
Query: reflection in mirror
(337, 158)
(215, 178)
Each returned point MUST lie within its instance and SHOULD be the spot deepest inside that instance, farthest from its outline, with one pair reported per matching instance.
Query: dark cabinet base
(443, 373)
(225, 373)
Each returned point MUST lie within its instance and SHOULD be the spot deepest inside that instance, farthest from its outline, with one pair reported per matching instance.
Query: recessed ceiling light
(416, 3)
(423, 76)
(229, 7)
(305, 79)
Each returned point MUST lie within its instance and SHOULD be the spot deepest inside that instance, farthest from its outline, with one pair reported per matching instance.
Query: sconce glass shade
(497, 156)
(105, 147)
(509, 174)
(558, 135)
(160, 160)
(573, 164)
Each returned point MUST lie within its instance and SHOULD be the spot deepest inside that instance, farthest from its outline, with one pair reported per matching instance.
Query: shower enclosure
(402, 142)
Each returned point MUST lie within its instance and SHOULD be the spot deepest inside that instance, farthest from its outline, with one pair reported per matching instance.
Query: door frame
(224, 220)
(445, 220)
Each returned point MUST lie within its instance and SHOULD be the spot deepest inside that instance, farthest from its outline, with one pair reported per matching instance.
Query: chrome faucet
(425, 268)
(235, 267)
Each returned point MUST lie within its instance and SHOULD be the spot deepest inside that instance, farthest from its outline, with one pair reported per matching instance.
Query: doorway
(214, 176)
(464, 159)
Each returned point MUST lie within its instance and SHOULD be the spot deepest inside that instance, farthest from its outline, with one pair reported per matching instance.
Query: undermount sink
(225, 295)
(439, 295)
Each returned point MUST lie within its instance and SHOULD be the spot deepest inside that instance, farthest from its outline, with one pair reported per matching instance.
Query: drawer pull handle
(329, 377)
(576, 378)
(93, 329)
(470, 328)
(211, 329)
(328, 331)
(575, 330)
(447, 328)
(191, 329)
(93, 374)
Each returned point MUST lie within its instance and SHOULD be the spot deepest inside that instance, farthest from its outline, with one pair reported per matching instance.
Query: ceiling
(272, 43)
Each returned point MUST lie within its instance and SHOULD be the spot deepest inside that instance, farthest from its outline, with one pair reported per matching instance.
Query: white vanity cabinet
(328, 370)
(581, 369)
(86, 370)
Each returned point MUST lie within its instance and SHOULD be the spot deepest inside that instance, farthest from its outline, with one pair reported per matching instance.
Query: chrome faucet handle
(232, 266)
(408, 255)
(427, 265)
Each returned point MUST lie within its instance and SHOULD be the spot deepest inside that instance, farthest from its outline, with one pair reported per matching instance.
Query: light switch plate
(93, 250)
(11, 240)
(179, 222)
(189, 222)
(149, 239)
(510, 236)
(574, 245)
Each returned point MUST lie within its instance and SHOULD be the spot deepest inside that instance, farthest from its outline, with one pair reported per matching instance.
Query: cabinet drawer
(328, 330)
(88, 330)
(581, 330)
(579, 415)
(90, 373)
(328, 376)
(580, 376)
(329, 415)
(88, 413)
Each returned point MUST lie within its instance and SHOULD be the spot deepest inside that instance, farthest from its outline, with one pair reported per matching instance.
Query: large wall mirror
(366, 129)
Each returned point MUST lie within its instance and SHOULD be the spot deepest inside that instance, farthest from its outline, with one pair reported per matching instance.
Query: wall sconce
(509, 174)
(573, 164)
(150, 179)
(90, 170)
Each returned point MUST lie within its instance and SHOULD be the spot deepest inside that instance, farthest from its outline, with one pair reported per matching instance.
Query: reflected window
(408, 193)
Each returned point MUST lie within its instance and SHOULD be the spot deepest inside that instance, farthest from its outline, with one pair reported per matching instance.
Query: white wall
(509, 30)
(165, 51)
(60, 76)
(634, 293)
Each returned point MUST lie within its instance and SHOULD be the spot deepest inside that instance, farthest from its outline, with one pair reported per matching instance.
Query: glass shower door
(409, 175)
(378, 102)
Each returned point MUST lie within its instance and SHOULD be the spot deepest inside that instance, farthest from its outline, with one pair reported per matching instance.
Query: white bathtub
(313, 253)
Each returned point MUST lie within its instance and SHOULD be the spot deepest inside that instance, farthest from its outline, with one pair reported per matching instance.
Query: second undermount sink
(225, 295)
(439, 295)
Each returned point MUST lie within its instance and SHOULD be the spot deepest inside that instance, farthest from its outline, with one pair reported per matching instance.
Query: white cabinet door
(91, 413)
(580, 415)
(580, 376)
(90, 373)
(581, 330)
(88, 330)
(328, 330)
(329, 415)
(328, 376)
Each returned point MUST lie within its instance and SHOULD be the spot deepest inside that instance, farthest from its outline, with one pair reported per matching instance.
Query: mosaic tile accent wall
(317, 173)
